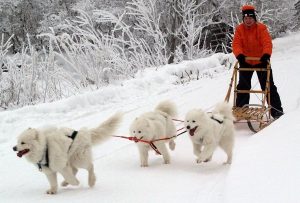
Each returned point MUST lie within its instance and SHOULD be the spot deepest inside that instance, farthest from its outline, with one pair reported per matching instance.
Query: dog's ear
(200, 112)
(148, 123)
(34, 132)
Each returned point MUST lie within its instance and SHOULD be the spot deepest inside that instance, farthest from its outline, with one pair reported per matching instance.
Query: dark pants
(245, 84)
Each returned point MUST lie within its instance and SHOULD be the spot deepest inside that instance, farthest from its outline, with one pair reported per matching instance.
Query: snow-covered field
(265, 166)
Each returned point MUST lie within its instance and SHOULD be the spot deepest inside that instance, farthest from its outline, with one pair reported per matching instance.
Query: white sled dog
(64, 150)
(210, 130)
(154, 125)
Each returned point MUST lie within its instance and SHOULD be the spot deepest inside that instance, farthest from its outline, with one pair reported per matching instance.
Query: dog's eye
(134, 131)
(140, 131)
(22, 142)
(193, 121)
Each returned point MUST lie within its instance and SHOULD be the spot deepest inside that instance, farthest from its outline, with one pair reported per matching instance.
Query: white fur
(155, 125)
(209, 133)
(65, 154)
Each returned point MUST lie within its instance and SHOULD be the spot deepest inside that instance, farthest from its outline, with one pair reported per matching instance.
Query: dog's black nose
(188, 127)
(15, 148)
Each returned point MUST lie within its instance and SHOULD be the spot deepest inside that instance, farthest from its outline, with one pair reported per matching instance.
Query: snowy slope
(265, 167)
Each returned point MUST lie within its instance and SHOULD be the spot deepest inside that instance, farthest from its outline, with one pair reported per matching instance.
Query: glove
(242, 61)
(265, 58)
(241, 58)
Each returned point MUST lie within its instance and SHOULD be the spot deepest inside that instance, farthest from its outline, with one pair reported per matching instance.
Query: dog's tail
(106, 128)
(225, 109)
(167, 107)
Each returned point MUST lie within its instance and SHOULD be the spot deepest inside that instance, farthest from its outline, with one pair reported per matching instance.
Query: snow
(265, 165)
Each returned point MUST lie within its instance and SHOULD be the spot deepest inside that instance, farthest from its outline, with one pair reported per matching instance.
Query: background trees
(25, 19)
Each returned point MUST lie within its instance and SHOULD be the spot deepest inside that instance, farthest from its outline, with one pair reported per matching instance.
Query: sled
(257, 116)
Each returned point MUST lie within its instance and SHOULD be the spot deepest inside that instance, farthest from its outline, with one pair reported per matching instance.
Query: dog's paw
(207, 160)
(92, 183)
(74, 182)
(172, 145)
(203, 158)
(144, 165)
(227, 163)
(92, 180)
(167, 161)
(64, 183)
(51, 191)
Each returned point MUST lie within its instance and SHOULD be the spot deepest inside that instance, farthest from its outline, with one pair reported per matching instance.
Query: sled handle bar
(249, 58)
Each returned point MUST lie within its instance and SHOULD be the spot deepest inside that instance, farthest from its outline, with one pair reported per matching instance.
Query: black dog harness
(220, 122)
(45, 160)
(73, 135)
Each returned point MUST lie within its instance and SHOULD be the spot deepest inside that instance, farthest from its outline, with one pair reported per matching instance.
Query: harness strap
(73, 135)
(40, 163)
(220, 122)
(152, 145)
(39, 166)
(181, 133)
(174, 119)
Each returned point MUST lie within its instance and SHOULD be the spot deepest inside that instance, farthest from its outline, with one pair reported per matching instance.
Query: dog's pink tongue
(21, 153)
(192, 131)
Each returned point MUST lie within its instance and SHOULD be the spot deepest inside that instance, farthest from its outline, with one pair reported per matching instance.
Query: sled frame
(257, 116)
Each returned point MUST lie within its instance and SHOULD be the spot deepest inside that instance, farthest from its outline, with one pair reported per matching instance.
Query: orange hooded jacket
(254, 41)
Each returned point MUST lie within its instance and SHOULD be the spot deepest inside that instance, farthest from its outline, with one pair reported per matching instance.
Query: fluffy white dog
(64, 150)
(154, 125)
(210, 130)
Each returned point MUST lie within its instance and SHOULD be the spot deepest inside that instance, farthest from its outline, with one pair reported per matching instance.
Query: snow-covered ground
(265, 166)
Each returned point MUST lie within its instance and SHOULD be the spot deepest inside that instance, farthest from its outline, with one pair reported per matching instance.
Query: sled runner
(257, 116)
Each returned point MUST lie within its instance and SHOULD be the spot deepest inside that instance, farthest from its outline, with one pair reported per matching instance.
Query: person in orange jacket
(252, 38)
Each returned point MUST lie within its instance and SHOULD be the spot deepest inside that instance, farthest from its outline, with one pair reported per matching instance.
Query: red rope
(139, 140)
(132, 139)
(151, 143)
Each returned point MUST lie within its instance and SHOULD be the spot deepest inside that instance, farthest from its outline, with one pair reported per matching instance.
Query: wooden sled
(257, 116)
